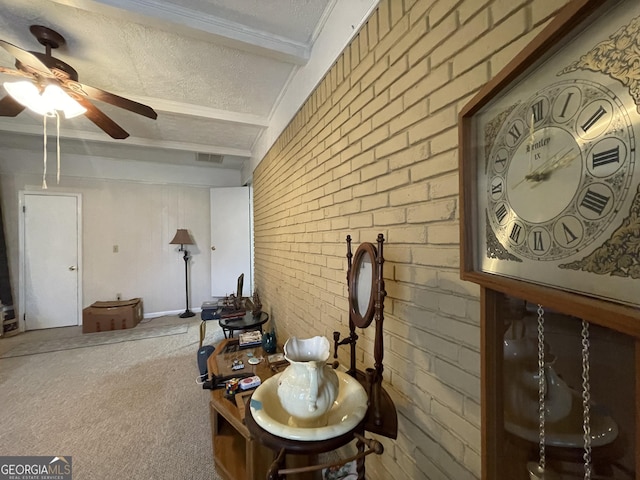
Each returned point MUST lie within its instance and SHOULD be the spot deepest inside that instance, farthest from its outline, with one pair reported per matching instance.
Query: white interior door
(230, 240)
(50, 260)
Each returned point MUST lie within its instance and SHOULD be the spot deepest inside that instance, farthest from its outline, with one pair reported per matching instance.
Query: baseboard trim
(169, 312)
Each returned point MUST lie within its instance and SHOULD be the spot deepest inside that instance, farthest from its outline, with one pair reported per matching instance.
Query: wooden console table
(237, 456)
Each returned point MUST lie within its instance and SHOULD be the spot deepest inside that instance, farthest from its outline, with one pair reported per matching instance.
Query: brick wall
(374, 150)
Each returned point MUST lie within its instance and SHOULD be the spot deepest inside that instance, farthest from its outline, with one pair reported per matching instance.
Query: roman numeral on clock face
(568, 231)
(570, 237)
(594, 201)
(515, 132)
(566, 104)
(500, 160)
(501, 213)
(593, 119)
(515, 232)
(608, 156)
(537, 110)
(538, 244)
(496, 188)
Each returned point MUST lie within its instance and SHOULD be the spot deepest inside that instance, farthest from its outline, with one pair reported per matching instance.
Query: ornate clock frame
(619, 317)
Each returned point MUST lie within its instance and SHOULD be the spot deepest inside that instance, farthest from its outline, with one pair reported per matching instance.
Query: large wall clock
(549, 162)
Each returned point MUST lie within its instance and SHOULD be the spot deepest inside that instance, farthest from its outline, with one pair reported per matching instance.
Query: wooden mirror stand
(382, 418)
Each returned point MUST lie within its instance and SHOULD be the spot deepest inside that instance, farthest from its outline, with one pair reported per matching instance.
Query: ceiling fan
(43, 70)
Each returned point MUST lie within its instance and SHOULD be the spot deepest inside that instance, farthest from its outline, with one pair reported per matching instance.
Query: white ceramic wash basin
(348, 410)
(567, 432)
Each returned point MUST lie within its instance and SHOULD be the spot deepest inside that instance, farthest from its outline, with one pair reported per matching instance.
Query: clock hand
(543, 171)
(531, 138)
(546, 172)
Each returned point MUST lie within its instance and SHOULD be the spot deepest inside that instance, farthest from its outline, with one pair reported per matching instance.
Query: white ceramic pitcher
(308, 387)
(522, 384)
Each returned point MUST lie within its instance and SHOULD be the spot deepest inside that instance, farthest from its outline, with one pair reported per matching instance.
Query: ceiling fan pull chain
(542, 387)
(44, 142)
(58, 144)
(586, 397)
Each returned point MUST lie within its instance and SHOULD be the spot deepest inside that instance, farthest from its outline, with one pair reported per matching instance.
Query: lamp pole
(187, 313)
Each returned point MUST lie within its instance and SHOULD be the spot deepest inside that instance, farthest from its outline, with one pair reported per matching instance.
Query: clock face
(559, 170)
(556, 196)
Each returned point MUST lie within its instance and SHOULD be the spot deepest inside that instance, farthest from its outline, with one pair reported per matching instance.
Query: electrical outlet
(118, 296)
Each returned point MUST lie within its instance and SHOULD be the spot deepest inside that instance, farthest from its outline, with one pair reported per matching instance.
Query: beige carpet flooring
(128, 410)
(93, 339)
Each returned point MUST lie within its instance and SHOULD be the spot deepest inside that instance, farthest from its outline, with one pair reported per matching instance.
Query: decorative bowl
(347, 411)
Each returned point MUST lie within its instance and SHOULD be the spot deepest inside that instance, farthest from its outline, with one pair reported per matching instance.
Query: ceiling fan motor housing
(56, 66)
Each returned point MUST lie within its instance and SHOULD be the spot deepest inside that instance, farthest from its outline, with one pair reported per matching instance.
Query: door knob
(72, 268)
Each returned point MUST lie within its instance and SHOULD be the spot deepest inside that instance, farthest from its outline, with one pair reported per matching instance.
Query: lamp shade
(182, 237)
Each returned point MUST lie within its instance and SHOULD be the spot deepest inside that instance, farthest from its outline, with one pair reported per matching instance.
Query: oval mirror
(362, 285)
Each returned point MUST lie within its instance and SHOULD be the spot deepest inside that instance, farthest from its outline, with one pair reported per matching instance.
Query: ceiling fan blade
(9, 107)
(17, 73)
(26, 58)
(98, 117)
(110, 98)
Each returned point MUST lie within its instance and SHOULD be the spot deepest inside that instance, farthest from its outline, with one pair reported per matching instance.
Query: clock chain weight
(586, 399)
(539, 470)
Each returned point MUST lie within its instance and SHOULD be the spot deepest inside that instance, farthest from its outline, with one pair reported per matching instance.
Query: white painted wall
(135, 205)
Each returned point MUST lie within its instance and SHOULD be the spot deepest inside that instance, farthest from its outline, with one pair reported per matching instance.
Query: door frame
(21, 251)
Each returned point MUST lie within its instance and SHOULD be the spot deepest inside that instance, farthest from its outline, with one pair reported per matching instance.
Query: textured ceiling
(218, 72)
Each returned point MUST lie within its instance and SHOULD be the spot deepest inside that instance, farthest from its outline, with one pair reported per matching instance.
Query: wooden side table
(248, 322)
(236, 454)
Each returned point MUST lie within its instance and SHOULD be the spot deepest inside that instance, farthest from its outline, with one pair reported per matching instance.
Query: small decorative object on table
(231, 386)
(237, 365)
(233, 314)
(257, 304)
(276, 358)
(254, 306)
(249, 382)
(248, 305)
(277, 362)
(250, 339)
(269, 343)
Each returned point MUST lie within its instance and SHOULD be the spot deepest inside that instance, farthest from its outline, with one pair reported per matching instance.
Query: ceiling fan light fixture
(61, 101)
(53, 98)
(27, 94)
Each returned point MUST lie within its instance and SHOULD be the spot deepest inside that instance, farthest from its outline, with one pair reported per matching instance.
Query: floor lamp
(183, 238)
